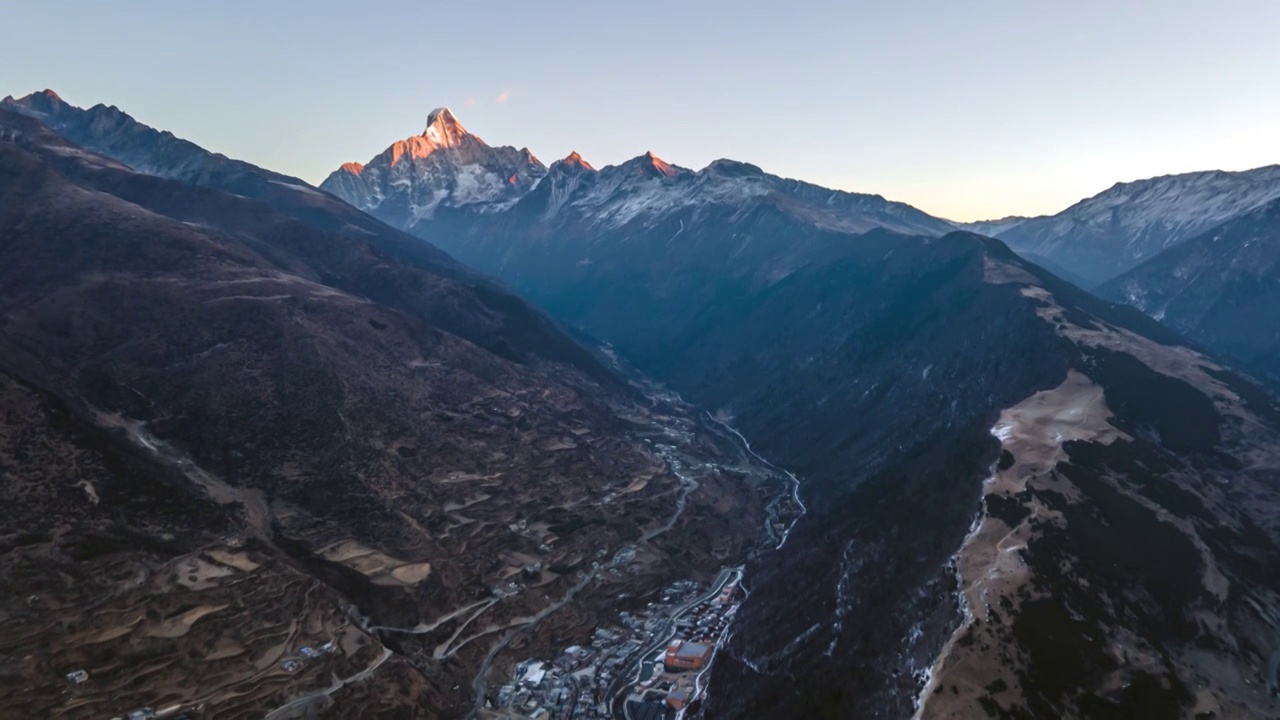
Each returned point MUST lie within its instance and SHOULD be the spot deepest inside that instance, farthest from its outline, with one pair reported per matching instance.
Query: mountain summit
(442, 117)
(650, 164)
(573, 159)
(444, 130)
(445, 166)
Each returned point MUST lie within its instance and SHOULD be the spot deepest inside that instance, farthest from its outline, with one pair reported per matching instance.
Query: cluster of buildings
(305, 655)
(542, 691)
(644, 668)
(671, 683)
(577, 683)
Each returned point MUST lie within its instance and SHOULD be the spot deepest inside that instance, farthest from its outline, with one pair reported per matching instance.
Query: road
(443, 650)
(338, 684)
(687, 486)
(422, 629)
(478, 685)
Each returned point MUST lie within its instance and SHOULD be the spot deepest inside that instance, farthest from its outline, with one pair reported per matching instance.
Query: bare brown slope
(370, 432)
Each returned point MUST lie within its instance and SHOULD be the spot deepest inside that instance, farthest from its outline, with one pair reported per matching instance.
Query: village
(649, 667)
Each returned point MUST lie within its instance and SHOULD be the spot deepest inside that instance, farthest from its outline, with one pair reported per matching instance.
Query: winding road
(338, 684)
(478, 685)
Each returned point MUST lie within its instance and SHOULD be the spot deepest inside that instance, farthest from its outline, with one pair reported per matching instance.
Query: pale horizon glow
(967, 111)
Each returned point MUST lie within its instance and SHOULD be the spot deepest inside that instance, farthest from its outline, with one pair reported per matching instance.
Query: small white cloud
(504, 96)
(471, 101)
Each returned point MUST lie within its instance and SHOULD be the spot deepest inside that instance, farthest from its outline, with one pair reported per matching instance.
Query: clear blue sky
(968, 109)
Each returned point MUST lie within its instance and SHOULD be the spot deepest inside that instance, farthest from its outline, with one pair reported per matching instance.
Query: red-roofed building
(683, 655)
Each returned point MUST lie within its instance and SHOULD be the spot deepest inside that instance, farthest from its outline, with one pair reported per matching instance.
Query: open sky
(967, 109)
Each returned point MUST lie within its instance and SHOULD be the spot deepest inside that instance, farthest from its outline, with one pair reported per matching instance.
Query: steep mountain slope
(444, 167)
(1100, 237)
(511, 329)
(1221, 289)
(1056, 269)
(230, 432)
(973, 426)
(644, 247)
(112, 132)
(1001, 470)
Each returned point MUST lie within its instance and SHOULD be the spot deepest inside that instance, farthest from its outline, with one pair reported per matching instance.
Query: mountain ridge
(113, 133)
(403, 208)
(1220, 289)
(1107, 234)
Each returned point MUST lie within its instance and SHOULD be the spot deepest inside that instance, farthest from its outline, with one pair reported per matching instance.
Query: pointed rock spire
(659, 164)
(575, 160)
(443, 128)
(650, 164)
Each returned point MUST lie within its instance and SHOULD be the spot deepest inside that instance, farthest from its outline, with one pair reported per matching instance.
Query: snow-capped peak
(1115, 230)
(444, 166)
(443, 128)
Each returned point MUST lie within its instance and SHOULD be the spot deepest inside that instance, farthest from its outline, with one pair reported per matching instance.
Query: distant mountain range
(417, 180)
(1114, 231)
(570, 217)
(1200, 252)
(992, 228)
(296, 421)
(1221, 289)
(446, 168)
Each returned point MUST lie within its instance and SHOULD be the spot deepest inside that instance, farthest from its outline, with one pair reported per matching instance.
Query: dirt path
(338, 684)
(422, 629)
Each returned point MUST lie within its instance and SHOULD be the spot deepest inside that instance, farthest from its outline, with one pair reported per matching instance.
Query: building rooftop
(691, 650)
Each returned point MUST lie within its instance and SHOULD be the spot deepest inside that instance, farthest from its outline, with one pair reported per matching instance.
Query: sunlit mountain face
(444, 167)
